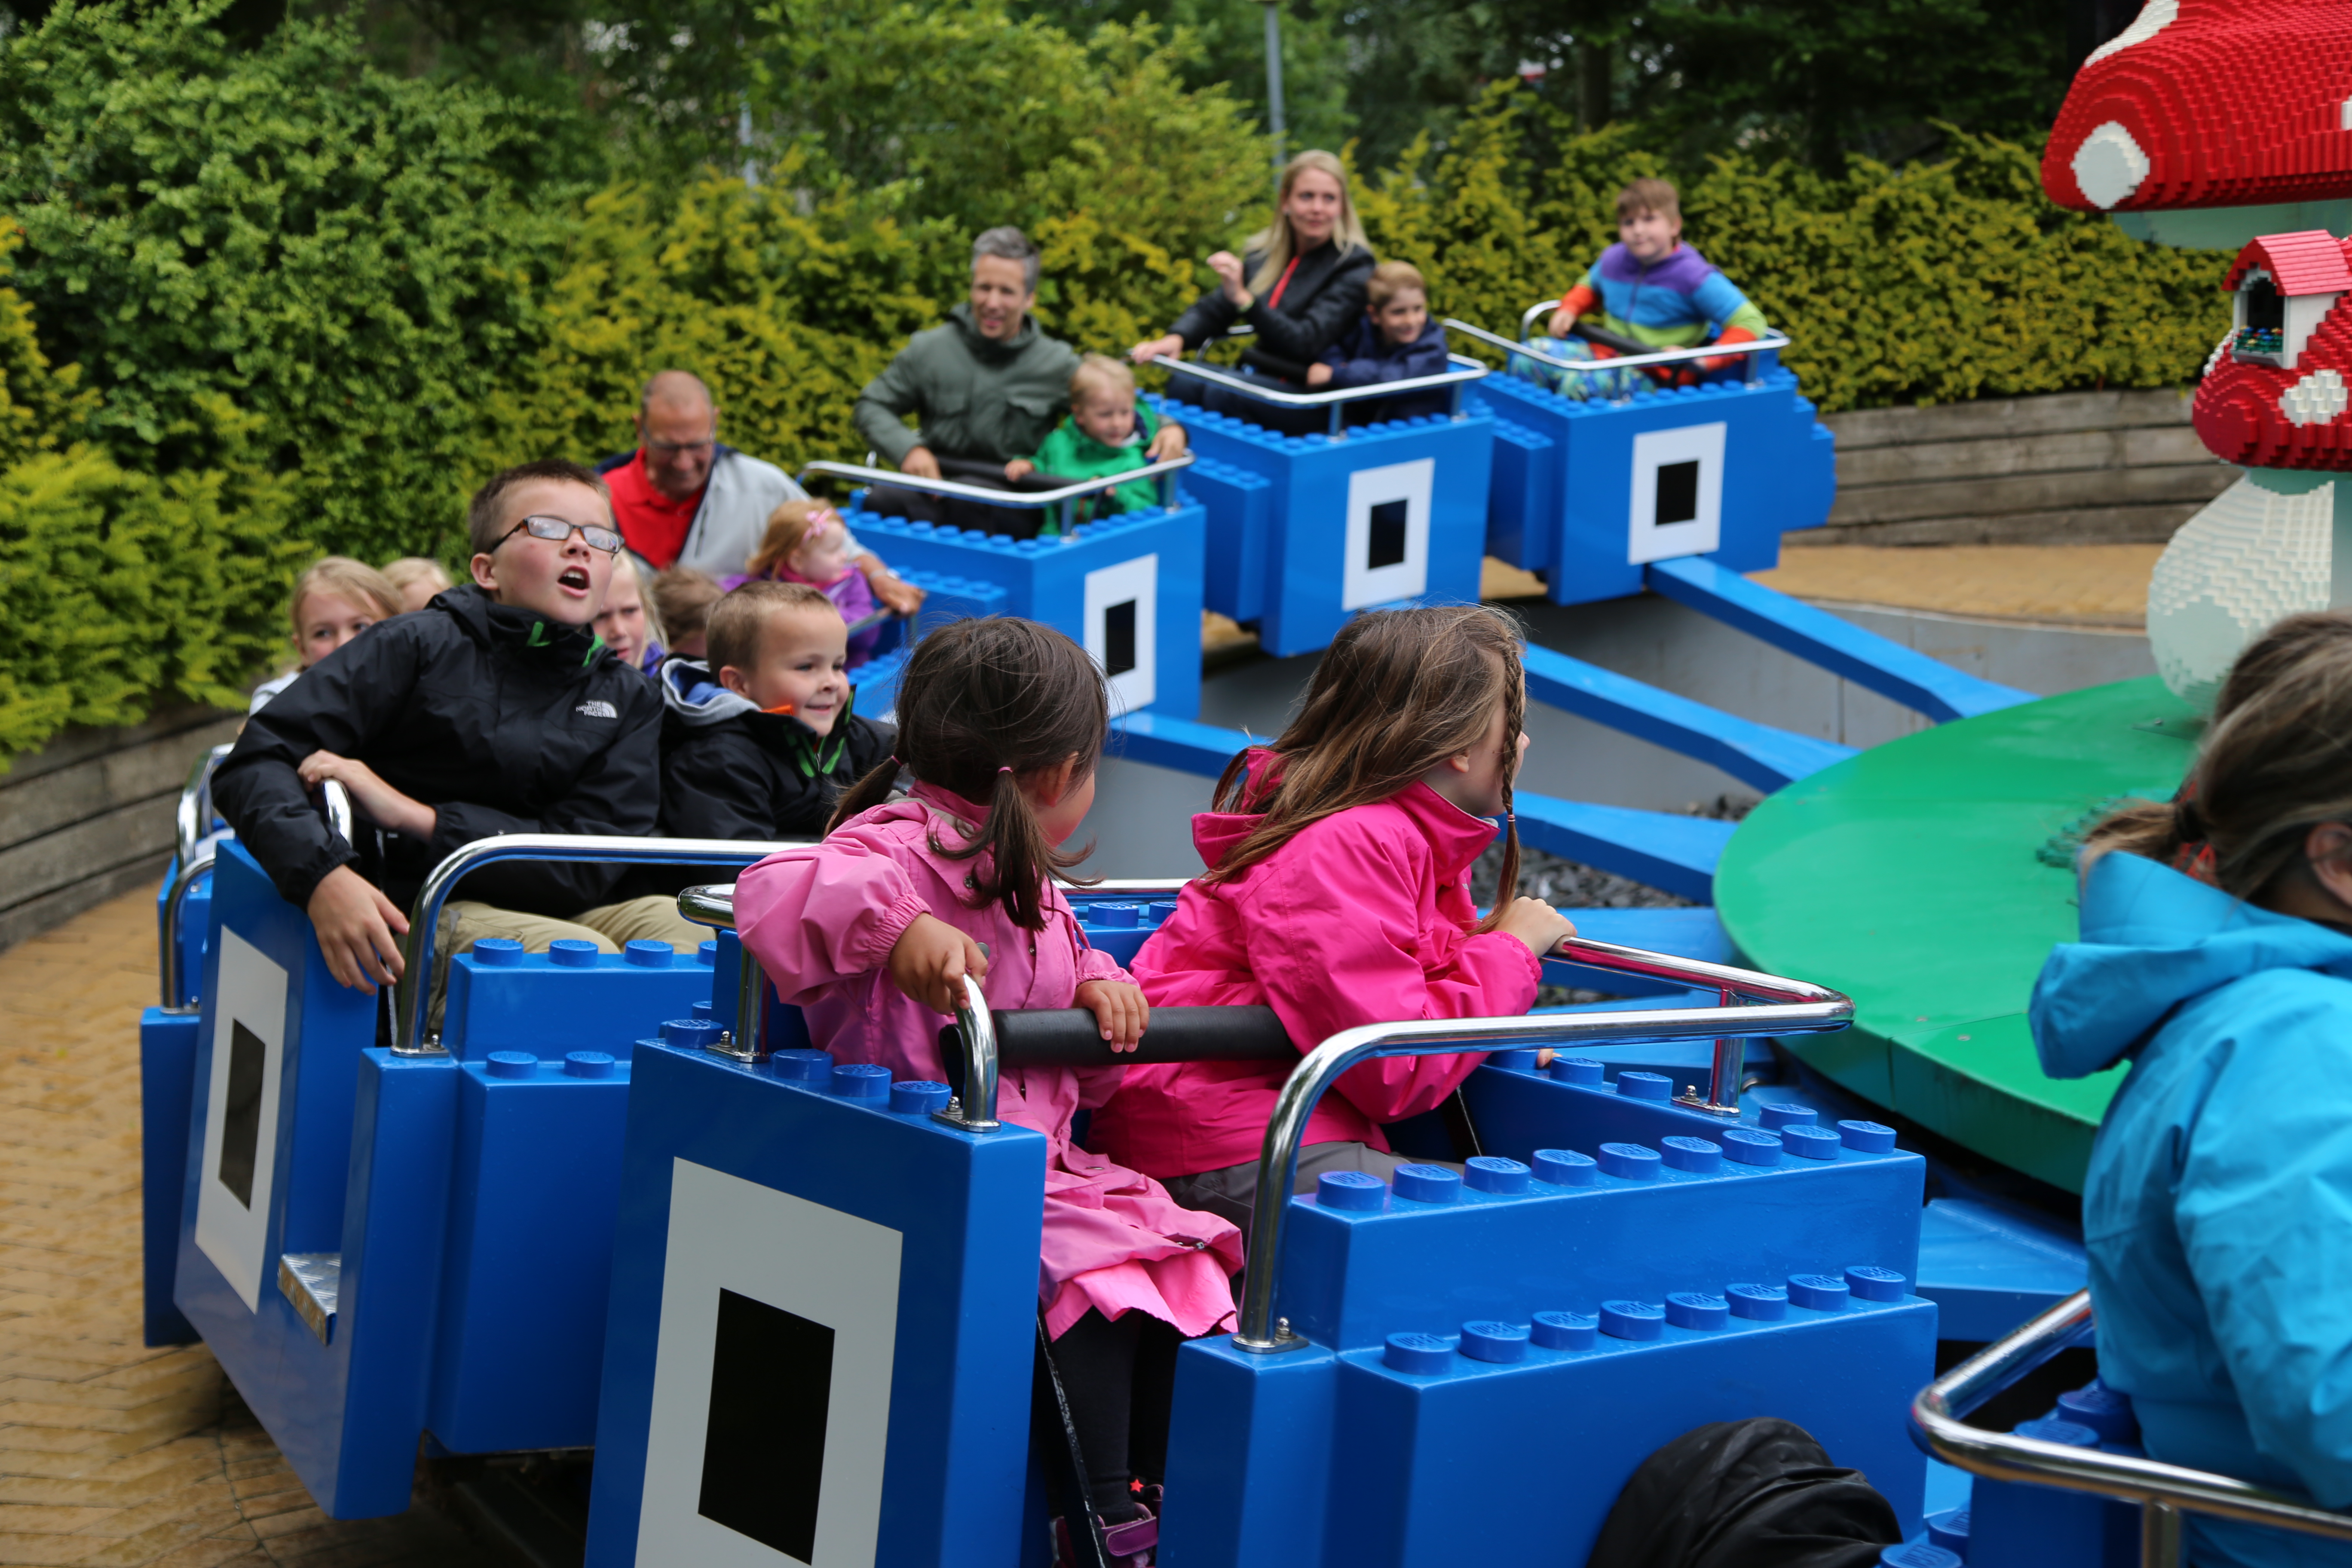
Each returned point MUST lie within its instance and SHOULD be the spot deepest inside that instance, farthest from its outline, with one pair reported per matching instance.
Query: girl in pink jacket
(870, 934)
(1339, 894)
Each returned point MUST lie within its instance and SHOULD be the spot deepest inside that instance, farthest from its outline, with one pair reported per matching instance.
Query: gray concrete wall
(1142, 812)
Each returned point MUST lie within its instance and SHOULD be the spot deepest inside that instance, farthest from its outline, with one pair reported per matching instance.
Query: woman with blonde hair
(1299, 284)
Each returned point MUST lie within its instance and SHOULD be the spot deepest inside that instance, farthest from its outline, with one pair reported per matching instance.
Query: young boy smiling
(763, 751)
(494, 709)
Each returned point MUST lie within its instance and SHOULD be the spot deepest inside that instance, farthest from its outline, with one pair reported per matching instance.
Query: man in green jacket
(987, 386)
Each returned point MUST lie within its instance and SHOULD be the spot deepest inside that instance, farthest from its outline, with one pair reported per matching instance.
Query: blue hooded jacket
(2217, 1209)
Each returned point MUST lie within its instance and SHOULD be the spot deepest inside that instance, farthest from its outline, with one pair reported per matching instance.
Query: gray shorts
(1232, 1192)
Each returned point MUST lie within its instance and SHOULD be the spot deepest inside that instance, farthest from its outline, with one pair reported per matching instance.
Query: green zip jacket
(976, 399)
(1070, 453)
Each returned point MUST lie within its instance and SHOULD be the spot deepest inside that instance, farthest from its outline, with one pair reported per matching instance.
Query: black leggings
(1119, 1377)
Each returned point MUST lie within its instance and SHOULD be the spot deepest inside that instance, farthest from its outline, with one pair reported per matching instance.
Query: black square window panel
(1384, 545)
(241, 1111)
(1118, 638)
(763, 1453)
(1677, 493)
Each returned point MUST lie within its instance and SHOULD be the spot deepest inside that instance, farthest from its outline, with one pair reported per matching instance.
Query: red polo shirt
(651, 524)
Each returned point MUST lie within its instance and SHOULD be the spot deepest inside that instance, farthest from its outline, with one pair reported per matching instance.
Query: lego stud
(1564, 1331)
(690, 1034)
(513, 1064)
(1696, 1155)
(1629, 1160)
(501, 950)
(706, 954)
(803, 1066)
(1575, 1069)
(1114, 917)
(1873, 1283)
(702, 1009)
(915, 1098)
(1812, 1142)
(1428, 1183)
(571, 952)
(1645, 1086)
(1631, 1320)
(1866, 1137)
(2102, 1410)
(1818, 1291)
(1492, 1341)
(861, 1081)
(1697, 1310)
(649, 955)
(1159, 909)
(1423, 1355)
(1949, 1529)
(1918, 1554)
(1493, 1173)
(1563, 1167)
(1757, 1303)
(1749, 1147)
(1777, 1114)
(1517, 1061)
(587, 1064)
(2070, 1434)
(1356, 1190)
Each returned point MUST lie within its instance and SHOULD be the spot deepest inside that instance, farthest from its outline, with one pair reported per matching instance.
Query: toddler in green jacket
(1106, 433)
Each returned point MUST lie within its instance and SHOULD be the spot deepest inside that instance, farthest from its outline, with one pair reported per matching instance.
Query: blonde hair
(644, 576)
(1390, 278)
(1102, 372)
(2277, 762)
(412, 569)
(682, 598)
(344, 578)
(1274, 242)
(741, 618)
(788, 525)
(1648, 194)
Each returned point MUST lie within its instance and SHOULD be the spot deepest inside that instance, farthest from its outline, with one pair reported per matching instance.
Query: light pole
(1273, 81)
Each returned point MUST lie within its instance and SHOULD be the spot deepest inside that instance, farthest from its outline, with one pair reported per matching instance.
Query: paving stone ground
(112, 1453)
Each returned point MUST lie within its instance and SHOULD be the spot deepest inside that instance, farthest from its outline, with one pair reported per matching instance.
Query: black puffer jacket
(729, 770)
(501, 721)
(1324, 299)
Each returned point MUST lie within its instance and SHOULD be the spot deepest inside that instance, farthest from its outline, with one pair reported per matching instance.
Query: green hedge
(273, 302)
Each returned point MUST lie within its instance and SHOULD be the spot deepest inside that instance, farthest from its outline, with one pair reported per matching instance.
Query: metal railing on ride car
(2164, 1493)
(1067, 497)
(1465, 370)
(1591, 367)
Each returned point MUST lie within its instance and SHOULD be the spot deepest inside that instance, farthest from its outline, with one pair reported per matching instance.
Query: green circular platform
(1910, 877)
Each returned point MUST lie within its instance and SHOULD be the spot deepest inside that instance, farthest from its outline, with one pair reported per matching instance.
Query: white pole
(1273, 81)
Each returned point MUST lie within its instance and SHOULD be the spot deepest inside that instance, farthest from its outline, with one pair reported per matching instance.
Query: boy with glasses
(494, 709)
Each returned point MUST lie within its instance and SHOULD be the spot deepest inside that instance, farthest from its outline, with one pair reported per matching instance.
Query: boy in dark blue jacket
(1396, 341)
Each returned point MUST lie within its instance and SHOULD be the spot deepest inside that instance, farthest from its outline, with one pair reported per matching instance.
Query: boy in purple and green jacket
(1652, 288)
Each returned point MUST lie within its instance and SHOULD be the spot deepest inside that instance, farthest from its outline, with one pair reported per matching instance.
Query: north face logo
(597, 707)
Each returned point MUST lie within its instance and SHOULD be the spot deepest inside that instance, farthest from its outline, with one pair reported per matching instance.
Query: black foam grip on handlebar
(1069, 1037)
(1603, 338)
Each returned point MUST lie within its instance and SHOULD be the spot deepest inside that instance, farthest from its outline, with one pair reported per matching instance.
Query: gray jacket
(733, 516)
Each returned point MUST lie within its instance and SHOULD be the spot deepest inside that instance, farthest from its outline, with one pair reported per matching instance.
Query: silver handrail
(2164, 1492)
(1747, 350)
(713, 905)
(1067, 497)
(1813, 1009)
(409, 1038)
(187, 872)
(195, 816)
(192, 858)
(973, 1111)
(1467, 370)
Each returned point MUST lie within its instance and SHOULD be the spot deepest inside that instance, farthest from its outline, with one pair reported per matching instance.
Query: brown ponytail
(1397, 693)
(984, 705)
(2277, 762)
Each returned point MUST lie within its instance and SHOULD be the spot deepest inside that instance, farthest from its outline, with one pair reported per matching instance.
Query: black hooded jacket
(500, 720)
(1324, 298)
(729, 770)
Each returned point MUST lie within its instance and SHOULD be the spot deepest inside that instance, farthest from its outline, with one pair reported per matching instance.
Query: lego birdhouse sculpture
(2276, 392)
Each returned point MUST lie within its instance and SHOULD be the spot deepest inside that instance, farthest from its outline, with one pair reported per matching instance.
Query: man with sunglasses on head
(493, 710)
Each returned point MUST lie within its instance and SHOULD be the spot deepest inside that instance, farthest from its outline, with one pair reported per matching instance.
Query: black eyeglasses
(559, 530)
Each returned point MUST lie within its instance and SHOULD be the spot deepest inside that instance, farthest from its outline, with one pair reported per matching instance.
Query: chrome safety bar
(713, 905)
(409, 1038)
(1067, 497)
(192, 858)
(195, 812)
(1467, 370)
(973, 1111)
(1796, 1008)
(1622, 361)
(2164, 1492)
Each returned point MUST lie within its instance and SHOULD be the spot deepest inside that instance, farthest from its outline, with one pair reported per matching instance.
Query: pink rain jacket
(823, 919)
(1362, 918)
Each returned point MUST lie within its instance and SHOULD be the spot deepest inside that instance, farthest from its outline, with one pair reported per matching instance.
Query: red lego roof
(2311, 262)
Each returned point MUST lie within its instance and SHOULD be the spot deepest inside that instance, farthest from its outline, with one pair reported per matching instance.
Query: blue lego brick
(1351, 1276)
(1757, 755)
(1346, 528)
(1663, 849)
(1991, 1268)
(1186, 745)
(889, 1264)
(1900, 674)
(2019, 1525)
(1776, 474)
(528, 1263)
(1686, 933)
(1235, 502)
(1120, 924)
(874, 685)
(1523, 497)
(501, 998)
(167, 1074)
(951, 597)
(1127, 589)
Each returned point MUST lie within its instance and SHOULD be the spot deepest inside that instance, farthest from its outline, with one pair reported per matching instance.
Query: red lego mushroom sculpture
(2276, 392)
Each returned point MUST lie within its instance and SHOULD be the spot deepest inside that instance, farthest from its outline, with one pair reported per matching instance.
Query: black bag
(1745, 1494)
